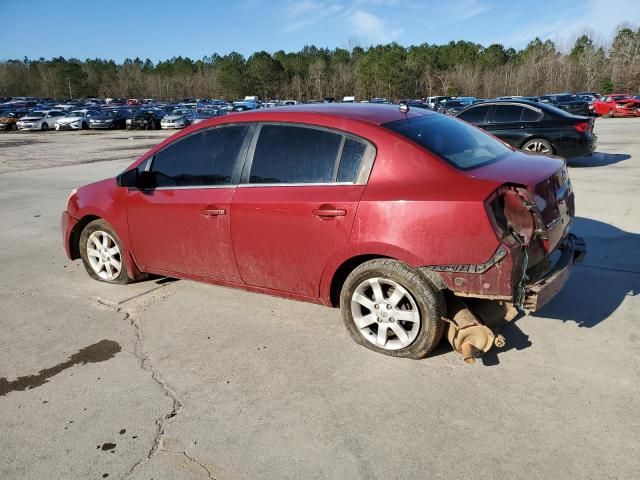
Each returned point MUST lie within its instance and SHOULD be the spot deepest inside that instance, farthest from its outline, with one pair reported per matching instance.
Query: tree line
(390, 71)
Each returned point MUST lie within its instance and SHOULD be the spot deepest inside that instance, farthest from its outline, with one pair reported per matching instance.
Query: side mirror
(134, 179)
(130, 178)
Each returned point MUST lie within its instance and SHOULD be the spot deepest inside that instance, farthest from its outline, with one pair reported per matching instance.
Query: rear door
(297, 203)
(505, 123)
(182, 224)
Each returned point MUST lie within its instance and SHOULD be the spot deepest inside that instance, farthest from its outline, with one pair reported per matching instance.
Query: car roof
(365, 112)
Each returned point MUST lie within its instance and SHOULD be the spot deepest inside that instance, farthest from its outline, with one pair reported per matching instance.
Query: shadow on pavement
(598, 159)
(610, 273)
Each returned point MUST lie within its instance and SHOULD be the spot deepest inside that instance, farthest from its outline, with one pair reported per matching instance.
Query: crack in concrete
(130, 314)
(145, 364)
(204, 467)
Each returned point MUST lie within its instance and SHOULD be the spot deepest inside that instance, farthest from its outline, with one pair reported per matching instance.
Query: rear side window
(531, 115)
(475, 115)
(205, 158)
(292, 154)
(507, 113)
(352, 155)
(463, 146)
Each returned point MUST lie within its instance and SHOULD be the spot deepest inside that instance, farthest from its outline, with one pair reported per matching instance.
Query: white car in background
(39, 120)
(179, 118)
(76, 120)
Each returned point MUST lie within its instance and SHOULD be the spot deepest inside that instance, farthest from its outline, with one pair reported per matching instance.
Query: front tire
(391, 309)
(44, 127)
(102, 253)
(538, 145)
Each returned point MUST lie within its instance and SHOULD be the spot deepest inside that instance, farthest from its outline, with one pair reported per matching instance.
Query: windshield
(457, 142)
(208, 113)
(620, 97)
(36, 115)
(77, 113)
(454, 104)
(565, 98)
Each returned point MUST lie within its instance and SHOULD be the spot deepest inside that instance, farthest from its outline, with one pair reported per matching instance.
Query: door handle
(329, 212)
(213, 212)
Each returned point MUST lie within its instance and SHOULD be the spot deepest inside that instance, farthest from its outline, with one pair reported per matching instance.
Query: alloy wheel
(385, 313)
(537, 147)
(104, 255)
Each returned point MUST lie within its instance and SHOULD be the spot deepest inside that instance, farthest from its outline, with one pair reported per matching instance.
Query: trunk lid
(548, 188)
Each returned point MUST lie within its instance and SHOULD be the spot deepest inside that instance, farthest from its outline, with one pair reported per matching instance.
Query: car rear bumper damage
(538, 294)
(474, 318)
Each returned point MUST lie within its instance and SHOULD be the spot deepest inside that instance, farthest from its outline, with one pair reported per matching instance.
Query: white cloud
(598, 17)
(372, 28)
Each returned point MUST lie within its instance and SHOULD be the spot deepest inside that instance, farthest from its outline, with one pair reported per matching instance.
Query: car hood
(173, 118)
(105, 117)
(31, 119)
(519, 167)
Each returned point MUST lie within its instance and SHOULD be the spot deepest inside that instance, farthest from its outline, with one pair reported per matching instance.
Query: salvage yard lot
(176, 379)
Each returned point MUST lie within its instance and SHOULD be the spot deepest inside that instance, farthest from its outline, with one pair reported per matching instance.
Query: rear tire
(538, 145)
(392, 289)
(102, 253)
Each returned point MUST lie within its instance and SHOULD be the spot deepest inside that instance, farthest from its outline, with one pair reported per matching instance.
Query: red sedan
(395, 216)
(617, 105)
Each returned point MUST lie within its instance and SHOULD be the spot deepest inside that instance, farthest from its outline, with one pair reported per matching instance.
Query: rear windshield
(460, 144)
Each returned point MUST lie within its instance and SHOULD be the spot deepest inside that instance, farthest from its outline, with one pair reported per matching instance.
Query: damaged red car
(411, 222)
(617, 105)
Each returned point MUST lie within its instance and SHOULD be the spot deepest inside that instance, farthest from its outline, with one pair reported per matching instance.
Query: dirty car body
(304, 199)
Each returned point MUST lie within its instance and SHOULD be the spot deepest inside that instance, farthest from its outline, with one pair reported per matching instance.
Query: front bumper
(173, 125)
(537, 295)
(29, 126)
(6, 126)
(68, 126)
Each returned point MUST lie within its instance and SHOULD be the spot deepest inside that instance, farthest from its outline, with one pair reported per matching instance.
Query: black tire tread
(91, 227)
(430, 300)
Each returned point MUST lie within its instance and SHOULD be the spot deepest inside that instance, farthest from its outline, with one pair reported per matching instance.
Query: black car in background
(144, 119)
(534, 127)
(114, 118)
(567, 102)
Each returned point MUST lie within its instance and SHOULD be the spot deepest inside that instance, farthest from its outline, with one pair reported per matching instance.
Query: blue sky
(160, 29)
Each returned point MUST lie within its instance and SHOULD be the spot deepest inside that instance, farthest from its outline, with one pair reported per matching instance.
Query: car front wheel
(390, 308)
(102, 253)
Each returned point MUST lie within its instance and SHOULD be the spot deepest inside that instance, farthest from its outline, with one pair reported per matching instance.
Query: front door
(182, 224)
(297, 205)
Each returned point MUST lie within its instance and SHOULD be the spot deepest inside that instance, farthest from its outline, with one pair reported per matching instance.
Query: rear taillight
(582, 127)
(515, 213)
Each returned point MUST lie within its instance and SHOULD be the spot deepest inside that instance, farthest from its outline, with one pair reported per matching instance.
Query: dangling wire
(521, 286)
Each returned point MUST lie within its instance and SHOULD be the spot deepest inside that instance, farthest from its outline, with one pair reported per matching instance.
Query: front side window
(205, 158)
(463, 146)
(292, 154)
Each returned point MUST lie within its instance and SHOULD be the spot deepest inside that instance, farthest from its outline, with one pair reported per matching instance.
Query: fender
(375, 249)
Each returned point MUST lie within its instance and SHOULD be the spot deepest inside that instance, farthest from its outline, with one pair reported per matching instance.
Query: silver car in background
(39, 120)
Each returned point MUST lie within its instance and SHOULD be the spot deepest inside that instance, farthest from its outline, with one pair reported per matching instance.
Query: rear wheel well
(74, 239)
(343, 272)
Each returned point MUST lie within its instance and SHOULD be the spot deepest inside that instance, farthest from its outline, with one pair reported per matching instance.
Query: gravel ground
(29, 150)
(181, 380)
